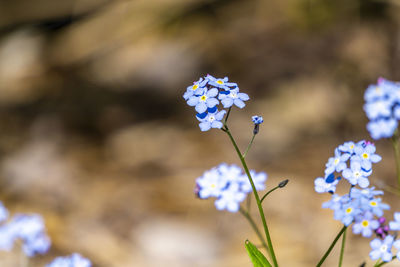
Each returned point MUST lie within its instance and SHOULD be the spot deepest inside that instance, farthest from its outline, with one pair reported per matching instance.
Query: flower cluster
(229, 185)
(29, 229)
(382, 106)
(75, 260)
(360, 155)
(207, 93)
(360, 207)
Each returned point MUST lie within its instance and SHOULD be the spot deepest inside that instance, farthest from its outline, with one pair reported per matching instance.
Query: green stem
(395, 143)
(331, 246)
(253, 224)
(248, 147)
(383, 262)
(260, 209)
(342, 248)
(270, 191)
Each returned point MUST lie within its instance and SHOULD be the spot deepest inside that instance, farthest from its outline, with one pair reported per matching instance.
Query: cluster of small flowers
(361, 207)
(75, 260)
(31, 231)
(205, 95)
(229, 185)
(382, 106)
(361, 156)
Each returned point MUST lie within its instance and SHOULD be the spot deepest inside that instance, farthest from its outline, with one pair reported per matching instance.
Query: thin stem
(227, 115)
(260, 209)
(270, 191)
(395, 143)
(342, 248)
(248, 147)
(383, 263)
(331, 246)
(253, 224)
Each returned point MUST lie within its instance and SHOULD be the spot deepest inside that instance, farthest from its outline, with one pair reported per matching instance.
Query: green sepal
(257, 258)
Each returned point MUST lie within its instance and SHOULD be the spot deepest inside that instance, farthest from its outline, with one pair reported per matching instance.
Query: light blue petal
(220, 115)
(239, 103)
(216, 124)
(243, 96)
(375, 254)
(375, 158)
(193, 100)
(205, 126)
(387, 256)
(363, 182)
(227, 102)
(212, 102)
(375, 244)
(213, 92)
(201, 107)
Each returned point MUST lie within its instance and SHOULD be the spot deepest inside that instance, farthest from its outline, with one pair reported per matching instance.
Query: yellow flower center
(220, 82)
(203, 98)
(365, 223)
(194, 87)
(352, 146)
(365, 155)
(349, 210)
(213, 185)
(373, 203)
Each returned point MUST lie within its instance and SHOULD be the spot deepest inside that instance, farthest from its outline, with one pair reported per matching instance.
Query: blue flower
(382, 108)
(211, 119)
(230, 198)
(257, 119)
(75, 260)
(347, 213)
(366, 155)
(233, 97)
(366, 193)
(347, 147)
(211, 184)
(204, 100)
(356, 175)
(374, 205)
(328, 184)
(365, 225)
(382, 249)
(31, 230)
(395, 225)
(195, 89)
(336, 163)
(220, 83)
(382, 128)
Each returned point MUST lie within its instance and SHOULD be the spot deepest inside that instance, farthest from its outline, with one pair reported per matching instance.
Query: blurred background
(96, 137)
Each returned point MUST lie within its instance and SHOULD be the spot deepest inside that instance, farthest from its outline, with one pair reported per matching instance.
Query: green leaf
(258, 259)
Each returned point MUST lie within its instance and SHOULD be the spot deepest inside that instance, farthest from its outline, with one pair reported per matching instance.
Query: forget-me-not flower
(328, 184)
(233, 97)
(382, 249)
(356, 175)
(257, 119)
(365, 225)
(211, 120)
(336, 163)
(205, 100)
(230, 198)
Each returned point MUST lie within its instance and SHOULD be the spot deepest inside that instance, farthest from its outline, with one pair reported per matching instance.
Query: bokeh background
(96, 137)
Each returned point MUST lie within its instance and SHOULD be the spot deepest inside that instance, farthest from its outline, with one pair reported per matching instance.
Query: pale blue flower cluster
(360, 155)
(229, 185)
(360, 207)
(207, 93)
(75, 260)
(382, 106)
(29, 229)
